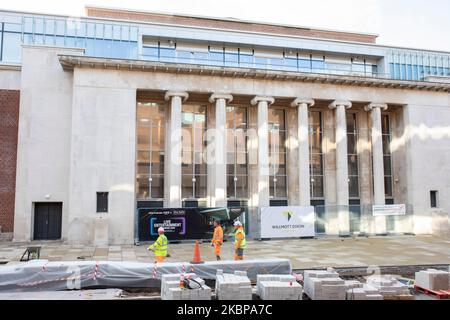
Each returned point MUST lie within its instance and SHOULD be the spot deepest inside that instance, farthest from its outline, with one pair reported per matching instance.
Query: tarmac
(303, 253)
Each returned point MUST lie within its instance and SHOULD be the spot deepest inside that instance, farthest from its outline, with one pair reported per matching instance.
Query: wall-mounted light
(47, 196)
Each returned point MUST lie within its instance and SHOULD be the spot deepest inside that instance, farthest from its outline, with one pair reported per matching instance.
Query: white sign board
(390, 210)
(287, 222)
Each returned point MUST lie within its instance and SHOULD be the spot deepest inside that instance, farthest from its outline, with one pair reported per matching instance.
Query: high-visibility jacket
(217, 236)
(160, 246)
(239, 238)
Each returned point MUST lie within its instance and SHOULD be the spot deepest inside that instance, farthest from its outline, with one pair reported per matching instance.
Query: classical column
(173, 149)
(263, 148)
(220, 150)
(342, 192)
(303, 149)
(377, 160)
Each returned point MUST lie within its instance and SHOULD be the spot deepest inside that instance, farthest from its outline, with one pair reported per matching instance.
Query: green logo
(288, 214)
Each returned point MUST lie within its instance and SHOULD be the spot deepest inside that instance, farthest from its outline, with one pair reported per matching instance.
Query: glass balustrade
(360, 220)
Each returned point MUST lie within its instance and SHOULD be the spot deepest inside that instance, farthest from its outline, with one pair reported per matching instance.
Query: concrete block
(170, 288)
(233, 287)
(350, 284)
(433, 279)
(278, 290)
(387, 285)
(374, 297)
(325, 285)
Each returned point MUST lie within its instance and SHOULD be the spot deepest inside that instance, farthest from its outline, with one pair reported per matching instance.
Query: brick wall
(227, 24)
(9, 124)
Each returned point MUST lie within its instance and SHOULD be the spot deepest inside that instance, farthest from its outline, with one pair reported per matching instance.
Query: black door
(47, 221)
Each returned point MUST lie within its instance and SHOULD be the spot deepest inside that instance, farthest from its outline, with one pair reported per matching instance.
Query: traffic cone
(197, 259)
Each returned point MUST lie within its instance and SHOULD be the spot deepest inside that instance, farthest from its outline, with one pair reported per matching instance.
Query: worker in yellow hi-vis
(239, 241)
(159, 247)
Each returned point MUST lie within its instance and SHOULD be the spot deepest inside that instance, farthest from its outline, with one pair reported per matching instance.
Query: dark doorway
(47, 220)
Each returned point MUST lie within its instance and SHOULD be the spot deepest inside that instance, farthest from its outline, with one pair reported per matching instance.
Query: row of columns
(173, 198)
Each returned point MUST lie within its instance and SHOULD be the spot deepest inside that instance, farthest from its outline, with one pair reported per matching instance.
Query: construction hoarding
(184, 223)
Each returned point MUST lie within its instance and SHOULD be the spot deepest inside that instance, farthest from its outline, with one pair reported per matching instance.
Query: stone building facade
(133, 109)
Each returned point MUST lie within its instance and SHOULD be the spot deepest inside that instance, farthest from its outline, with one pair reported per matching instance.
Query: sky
(406, 23)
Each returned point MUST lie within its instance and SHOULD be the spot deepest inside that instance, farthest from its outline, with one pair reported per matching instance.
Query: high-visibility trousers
(160, 259)
(217, 249)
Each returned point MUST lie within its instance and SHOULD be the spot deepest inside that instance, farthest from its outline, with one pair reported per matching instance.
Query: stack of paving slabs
(324, 285)
(171, 290)
(359, 291)
(432, 279)
(235, 286)
(388, 286)
(278, 287)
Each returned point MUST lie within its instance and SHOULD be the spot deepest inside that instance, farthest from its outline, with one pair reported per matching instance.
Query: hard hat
(160, 229)
(237, 224)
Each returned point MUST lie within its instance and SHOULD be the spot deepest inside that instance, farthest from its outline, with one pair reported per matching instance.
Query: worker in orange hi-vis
(217, 239)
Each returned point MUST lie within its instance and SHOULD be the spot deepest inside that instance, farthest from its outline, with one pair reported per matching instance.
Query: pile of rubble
(433, 280)
(171, 289)
(278, 287)
(235, 286)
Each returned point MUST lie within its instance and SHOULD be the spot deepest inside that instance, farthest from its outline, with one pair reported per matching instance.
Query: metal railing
(234, 60)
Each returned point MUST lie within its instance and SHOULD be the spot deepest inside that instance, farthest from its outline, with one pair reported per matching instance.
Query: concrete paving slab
(308, 253)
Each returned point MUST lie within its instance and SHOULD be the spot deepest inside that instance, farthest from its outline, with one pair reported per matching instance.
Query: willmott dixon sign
(287, 222)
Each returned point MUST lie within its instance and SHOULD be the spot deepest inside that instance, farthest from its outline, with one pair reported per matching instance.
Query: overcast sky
(408, 23)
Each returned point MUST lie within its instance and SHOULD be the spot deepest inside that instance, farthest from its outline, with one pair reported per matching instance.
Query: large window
(99, 39)
(11, 41)
(194, 168)
(277, 153)
(237, 158)
(387, 158)
(316, 155)
(150, 150)
(352, 153)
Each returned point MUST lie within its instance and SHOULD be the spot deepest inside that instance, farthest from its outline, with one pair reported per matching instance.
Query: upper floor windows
(97, 38)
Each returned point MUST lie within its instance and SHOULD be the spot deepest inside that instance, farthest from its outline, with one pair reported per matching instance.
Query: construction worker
(159, 247)
(217, 239)
(239, 241)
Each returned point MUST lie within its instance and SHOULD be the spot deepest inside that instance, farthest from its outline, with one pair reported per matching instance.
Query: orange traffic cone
(197, 258)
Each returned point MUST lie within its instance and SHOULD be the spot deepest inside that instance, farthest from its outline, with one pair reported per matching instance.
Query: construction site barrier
(42, 275)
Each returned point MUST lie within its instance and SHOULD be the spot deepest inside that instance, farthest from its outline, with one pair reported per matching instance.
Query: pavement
(307, 253)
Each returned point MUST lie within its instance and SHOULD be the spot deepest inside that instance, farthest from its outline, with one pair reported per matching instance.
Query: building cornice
(70, 62)
(10, 66)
